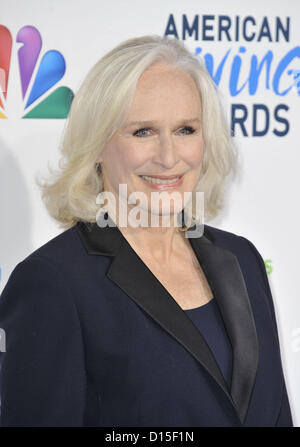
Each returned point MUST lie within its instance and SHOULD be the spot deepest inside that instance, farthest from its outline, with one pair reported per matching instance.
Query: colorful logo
(50, 70)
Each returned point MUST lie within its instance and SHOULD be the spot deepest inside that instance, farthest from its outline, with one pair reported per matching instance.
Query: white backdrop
(263, 202)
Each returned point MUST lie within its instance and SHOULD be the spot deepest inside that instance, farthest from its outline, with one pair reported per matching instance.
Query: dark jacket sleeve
(284, 418)
(42, 380)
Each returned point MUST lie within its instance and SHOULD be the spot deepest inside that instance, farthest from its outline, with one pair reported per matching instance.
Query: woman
(124, 325)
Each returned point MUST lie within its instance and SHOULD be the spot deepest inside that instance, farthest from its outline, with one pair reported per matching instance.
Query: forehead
(165, 89)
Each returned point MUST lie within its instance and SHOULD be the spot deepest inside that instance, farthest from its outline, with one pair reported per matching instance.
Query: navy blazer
(94, 339)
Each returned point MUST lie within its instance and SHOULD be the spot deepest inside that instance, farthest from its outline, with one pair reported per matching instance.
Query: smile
(159, 183)
(158, 180)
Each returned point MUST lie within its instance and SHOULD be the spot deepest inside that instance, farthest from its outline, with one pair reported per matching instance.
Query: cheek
(122, 157)
(193, 155)
(133, 156)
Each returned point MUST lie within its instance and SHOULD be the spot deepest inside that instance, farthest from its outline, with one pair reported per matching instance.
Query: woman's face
(162, 136)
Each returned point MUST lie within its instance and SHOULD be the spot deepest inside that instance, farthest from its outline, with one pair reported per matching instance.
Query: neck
(160, 243)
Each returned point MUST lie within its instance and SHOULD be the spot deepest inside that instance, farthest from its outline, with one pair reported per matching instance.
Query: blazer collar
(226, 280)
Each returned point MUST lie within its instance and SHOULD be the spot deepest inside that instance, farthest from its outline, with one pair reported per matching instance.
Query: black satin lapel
(133, 276)
(100, 240)
(224, 275)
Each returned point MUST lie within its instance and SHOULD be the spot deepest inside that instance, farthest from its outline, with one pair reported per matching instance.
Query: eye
(187, 130)
(144, 132)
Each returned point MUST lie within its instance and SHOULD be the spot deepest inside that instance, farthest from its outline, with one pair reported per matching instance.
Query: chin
(165, 211)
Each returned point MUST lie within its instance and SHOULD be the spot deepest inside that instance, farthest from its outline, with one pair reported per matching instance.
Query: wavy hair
(100, 108)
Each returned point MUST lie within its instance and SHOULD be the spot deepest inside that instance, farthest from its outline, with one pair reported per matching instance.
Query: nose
(166, 154)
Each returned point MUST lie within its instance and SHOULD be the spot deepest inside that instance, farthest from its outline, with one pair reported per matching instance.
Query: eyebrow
(151, 123)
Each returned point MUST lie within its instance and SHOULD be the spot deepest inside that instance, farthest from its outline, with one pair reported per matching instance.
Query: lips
(160, 185)
(165, 177)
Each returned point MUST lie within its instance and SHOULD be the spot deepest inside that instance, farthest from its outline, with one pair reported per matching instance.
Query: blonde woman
(142, 325)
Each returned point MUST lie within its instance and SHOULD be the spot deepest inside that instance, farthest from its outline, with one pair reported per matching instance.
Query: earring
(181, 216)
(98, 168)
(182, 228)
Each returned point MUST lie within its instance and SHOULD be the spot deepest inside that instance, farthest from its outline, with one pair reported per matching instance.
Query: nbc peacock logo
(39, 74)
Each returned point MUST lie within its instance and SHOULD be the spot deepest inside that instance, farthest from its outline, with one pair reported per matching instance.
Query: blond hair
(100, 108)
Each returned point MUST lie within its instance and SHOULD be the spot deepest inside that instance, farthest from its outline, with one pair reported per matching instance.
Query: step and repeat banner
(251, 50)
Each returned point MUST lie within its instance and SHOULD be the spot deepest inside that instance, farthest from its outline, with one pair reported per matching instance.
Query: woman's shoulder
(61, 254)
(58, 247)
(242, 247)
(65, 247)
(45, 260)
(223, 237)
(59, 264)
(248, 256)
(215, 233)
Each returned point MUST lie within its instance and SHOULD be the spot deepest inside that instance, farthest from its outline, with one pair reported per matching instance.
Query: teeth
(162, 181)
